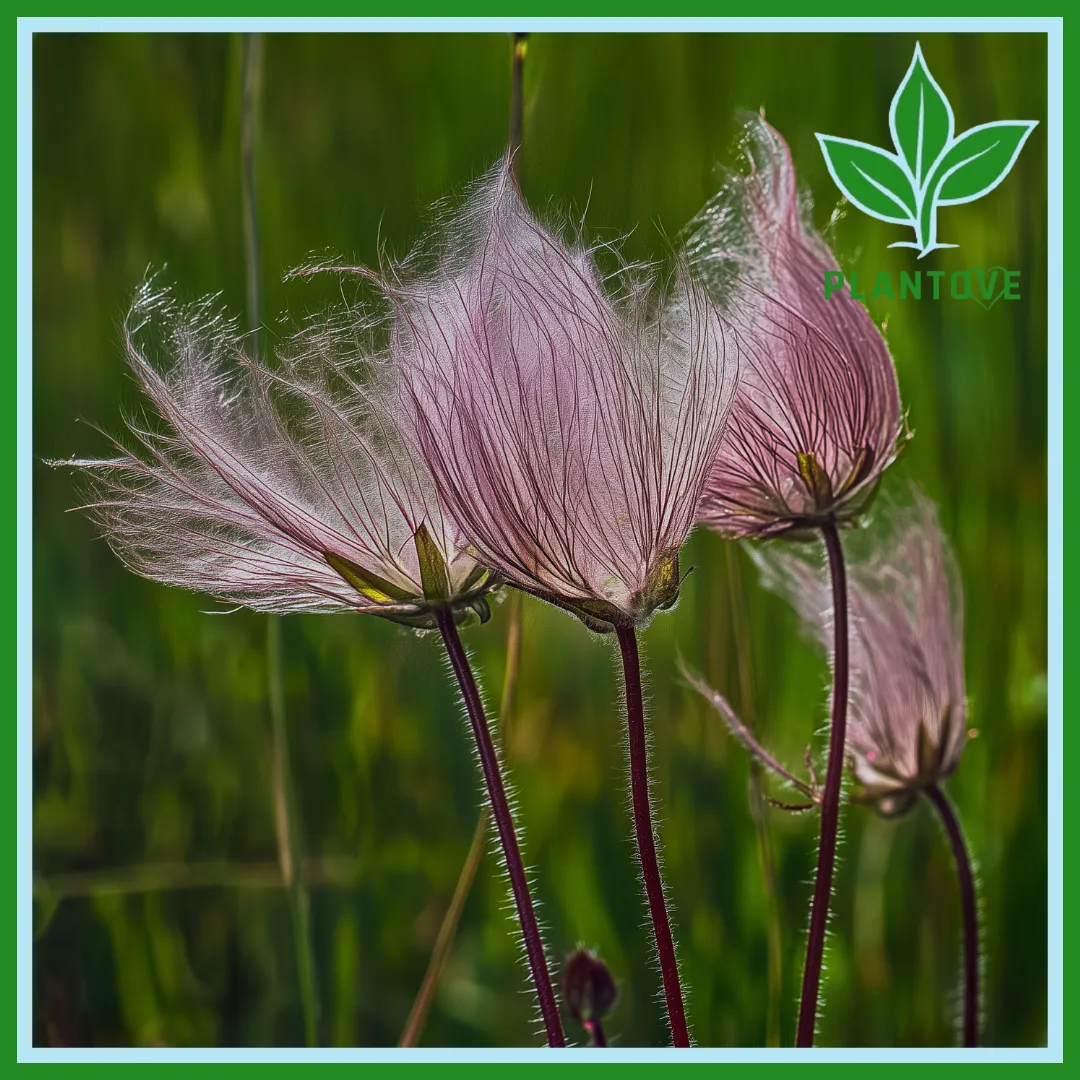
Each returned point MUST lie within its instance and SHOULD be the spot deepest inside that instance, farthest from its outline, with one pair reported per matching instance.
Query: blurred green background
(160, 916)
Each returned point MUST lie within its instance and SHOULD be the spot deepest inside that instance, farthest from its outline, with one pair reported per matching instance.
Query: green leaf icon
(871, 178)
(979, 160)
(932, 167)
(921, 120)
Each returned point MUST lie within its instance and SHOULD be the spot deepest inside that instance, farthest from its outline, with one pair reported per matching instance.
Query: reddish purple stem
(830, 796)
(646, 840)
(504, 822)
(968, 907)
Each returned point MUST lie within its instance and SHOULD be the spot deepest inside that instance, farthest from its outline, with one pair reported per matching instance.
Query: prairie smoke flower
(907, 729)
(274, 487)
(907, 726)
(285, 488)
(568, 421)
(908, 712)
(568, 425)
(817, 415)
(815, 421)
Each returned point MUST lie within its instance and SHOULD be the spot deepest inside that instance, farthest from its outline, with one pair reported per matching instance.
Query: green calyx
(419, 610)
(433, 575)
(931, 766)
(660, 593)
(372, 587)
(931, 748)
(843, 505)
(817, 481)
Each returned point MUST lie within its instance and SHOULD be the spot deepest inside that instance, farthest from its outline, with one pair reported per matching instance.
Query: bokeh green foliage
(151, 718)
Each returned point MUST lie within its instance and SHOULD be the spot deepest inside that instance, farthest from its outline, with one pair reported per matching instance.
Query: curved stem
(517, 101)
(504, 823)
(969, 908)
(645, 836)
(249, 110)
(830, 795)
(418, 1014)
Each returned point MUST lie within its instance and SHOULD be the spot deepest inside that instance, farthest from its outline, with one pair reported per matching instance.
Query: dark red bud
(588, 987)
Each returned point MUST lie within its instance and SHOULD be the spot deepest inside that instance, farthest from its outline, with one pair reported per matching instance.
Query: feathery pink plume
(817, 415)
(568, 419)
(278, 487)
(907, 724)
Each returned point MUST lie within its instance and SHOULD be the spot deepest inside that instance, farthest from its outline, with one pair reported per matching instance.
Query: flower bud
(588, 987)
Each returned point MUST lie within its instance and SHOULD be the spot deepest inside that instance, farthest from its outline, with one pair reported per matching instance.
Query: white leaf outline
(1031, 126)
(920, 191)
(919, 61)
(823, 142)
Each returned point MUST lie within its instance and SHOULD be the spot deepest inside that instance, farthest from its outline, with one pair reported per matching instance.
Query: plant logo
(932, 166)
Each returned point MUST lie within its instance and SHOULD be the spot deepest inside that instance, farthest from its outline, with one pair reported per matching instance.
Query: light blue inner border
(1051, 27)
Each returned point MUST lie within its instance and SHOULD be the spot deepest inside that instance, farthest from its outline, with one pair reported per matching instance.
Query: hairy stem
(969, 909)
(414, 1026)
(830, 795)
(646, 838)
(504, 823)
